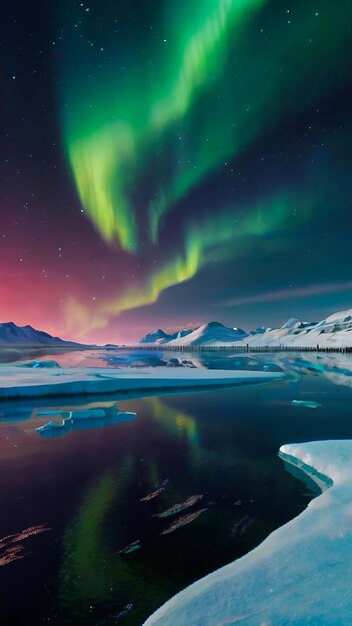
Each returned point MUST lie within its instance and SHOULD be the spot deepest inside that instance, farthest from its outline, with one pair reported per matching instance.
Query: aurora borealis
(168, 162)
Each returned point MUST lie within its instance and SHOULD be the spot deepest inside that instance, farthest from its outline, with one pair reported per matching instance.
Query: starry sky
(165, 163)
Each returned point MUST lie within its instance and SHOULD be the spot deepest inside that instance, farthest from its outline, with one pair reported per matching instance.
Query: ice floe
(83, 420)
(16, 382)
(308, 404)
(300, 574)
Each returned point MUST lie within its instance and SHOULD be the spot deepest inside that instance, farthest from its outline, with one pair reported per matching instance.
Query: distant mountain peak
(335, 330)
(293, 321)
(155, 335)
(11, 334)
(210, 333)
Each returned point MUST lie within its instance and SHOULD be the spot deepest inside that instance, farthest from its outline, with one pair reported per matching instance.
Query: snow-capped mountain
(208, 334)
(159, 336)
(11, 334)
(334, 331)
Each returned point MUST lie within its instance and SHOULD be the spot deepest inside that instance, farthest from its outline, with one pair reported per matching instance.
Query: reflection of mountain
(136, 359)
(337, 368)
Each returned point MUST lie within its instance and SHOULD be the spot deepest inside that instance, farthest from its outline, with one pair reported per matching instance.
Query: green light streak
(201, 242)
(97, 174)
(214, 77)
(105, 154)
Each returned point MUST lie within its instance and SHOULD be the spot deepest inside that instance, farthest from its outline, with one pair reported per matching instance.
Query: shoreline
(299, 573)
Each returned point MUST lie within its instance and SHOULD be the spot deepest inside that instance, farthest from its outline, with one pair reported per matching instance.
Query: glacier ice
(16, 382)
(300, 574)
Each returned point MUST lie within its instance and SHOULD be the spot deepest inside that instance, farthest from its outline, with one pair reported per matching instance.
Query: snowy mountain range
(11, 334)
(334, 331)
(206, 334)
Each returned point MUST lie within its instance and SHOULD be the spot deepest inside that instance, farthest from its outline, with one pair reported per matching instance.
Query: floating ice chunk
(85, 420)
(309, 404)
(41, 364)
(50, 426)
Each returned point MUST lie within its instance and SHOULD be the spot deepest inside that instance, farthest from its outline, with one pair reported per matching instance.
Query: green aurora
(145, 128)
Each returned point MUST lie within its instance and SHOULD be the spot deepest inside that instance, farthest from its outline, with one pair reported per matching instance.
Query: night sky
(169, 162)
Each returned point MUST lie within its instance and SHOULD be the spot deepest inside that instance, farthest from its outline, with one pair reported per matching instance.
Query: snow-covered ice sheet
(16, 382)
(301, 574)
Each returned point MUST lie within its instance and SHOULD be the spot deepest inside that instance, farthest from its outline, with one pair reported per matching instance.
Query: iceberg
(17, 382)
(83, 420)
(300, 574)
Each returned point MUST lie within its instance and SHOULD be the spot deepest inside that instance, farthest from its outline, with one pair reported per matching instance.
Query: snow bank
(18, 382)
(300, 574)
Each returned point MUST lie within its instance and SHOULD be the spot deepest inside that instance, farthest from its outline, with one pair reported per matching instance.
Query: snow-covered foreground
(16, 382)
(299, 575)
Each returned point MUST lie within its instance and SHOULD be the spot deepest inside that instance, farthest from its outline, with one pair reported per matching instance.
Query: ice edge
(248, 587)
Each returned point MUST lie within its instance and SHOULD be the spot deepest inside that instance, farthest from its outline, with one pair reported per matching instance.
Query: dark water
(79, 496)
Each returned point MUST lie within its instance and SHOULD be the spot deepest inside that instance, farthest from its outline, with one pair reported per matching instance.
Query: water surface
(95, 549)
